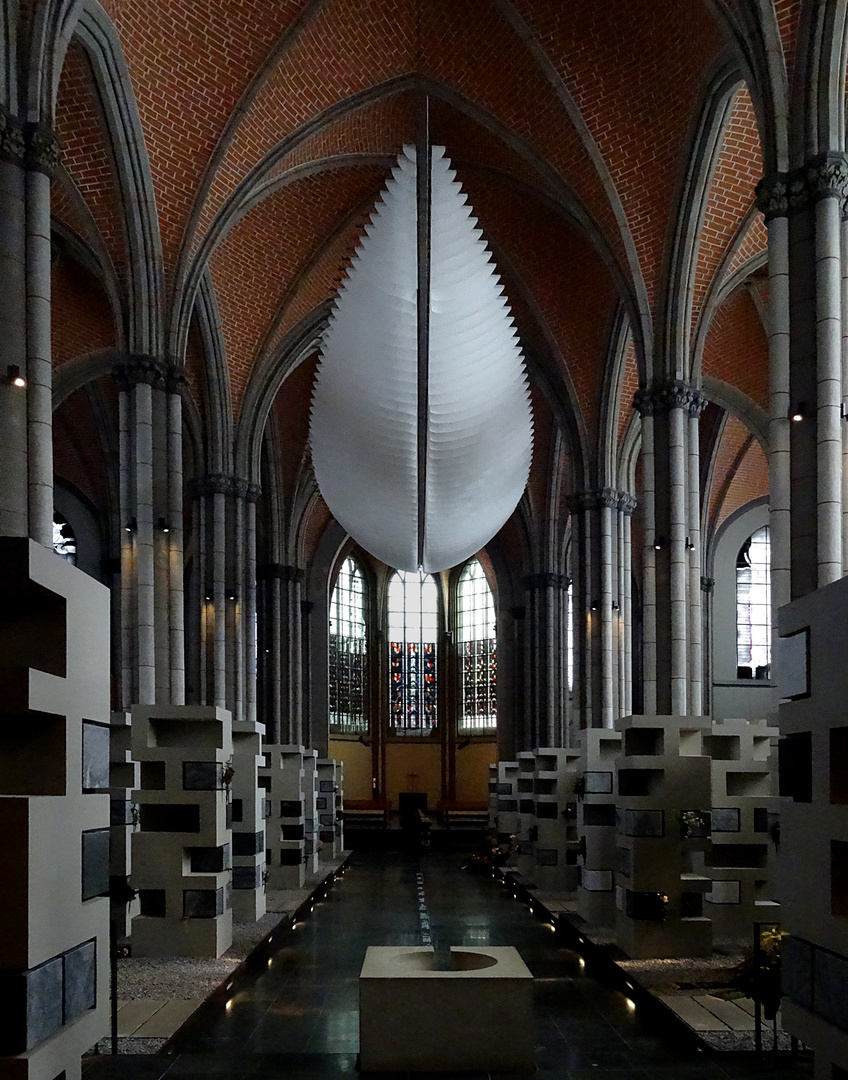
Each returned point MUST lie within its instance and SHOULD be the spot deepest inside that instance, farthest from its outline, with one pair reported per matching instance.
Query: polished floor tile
(298, 1019)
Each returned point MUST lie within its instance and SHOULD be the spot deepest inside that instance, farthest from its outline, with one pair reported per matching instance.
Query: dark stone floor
(298, 1020)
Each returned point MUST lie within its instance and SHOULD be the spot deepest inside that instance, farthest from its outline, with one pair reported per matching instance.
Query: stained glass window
(348, 652)
(413, 624)
(64, 541)
(753, 606)
(477, 643)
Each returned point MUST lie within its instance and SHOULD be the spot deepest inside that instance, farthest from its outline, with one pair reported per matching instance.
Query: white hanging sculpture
(421, 435)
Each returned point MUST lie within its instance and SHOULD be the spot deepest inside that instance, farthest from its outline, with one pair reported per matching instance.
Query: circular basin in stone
(460, 961)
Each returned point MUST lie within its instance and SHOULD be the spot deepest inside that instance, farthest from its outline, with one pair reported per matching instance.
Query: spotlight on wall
(594, 606)
(131, 526)
(798, 412)
(163, 525)
(208, 598)
(689, 545)
(659, 543)
(615, 605)
(232, 596)
(13, 375)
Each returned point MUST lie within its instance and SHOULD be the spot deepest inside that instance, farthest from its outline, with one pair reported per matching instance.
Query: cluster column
(672, 606)
(281, 652)
(226, 519)
(546, 638)
(602, 607)
(151, 494)
(28, 153)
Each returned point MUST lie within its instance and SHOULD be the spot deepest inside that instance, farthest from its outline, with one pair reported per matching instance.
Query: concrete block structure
(662, 787)
(596, 825)
(249, 806)
(508, 820)
(525, 836)
(54, 813)
(814, 824)
(123, 779)
(310, 811)
(281, 778)
(744, 812)
(329, 801)
(182, 850)
(556, 846)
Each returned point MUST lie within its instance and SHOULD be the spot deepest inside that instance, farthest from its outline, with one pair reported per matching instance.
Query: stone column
(545, 673)
(693, 550)
(28, 154)
(151, 523)
(174, 539)
(41, 157)
(626, 504)
(772, 200)
(666, 409)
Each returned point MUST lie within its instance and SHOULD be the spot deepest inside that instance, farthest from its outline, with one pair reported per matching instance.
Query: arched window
(569, 635)
(477, 643)
(64, 540)
(348, 652)
(753, 606)
(413, 624)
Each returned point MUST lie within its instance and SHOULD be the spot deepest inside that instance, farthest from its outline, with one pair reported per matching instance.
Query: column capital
(545, 581)
(627, 503)
(42, 149)
(279, 572)
(827, 177)
(222, 484)
(772, 196)
(12, 138)
(707, 584)
(662, 397)
(136, 368)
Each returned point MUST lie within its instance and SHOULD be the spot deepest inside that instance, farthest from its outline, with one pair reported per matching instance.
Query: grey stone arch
(619, 338)
(751, 26)
(817, 112)
(88, 23)
(44, 32)
(676, 289)
(721, 286)
(259, 180)
(218, 442)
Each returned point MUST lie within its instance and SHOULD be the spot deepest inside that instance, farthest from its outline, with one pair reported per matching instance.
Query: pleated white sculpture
(367, 410)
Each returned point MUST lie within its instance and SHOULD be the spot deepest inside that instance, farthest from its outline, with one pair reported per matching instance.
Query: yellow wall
(422, 758)
(472, 772)
(357, 767)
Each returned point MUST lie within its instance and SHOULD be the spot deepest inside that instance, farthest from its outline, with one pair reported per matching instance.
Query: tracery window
(477, 643)
(413, 624)
(64, 540)
(569, 635)
(753, 606)
(348, 652)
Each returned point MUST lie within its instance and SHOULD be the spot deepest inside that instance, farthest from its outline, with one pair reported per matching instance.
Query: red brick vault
(265, 132)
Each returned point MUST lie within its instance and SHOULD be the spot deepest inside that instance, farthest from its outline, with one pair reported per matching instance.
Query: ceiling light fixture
(421, 427)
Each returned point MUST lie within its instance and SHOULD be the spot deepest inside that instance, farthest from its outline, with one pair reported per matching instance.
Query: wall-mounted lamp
(615, 605)
(13, 375)
(689, 545)
(232, 596)
(163, 525)
(798, 412)
(594, 605)
(208, 598)
(131, 526)
(659, 543)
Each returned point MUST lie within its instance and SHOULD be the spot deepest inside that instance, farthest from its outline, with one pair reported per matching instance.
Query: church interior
(216, 684)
